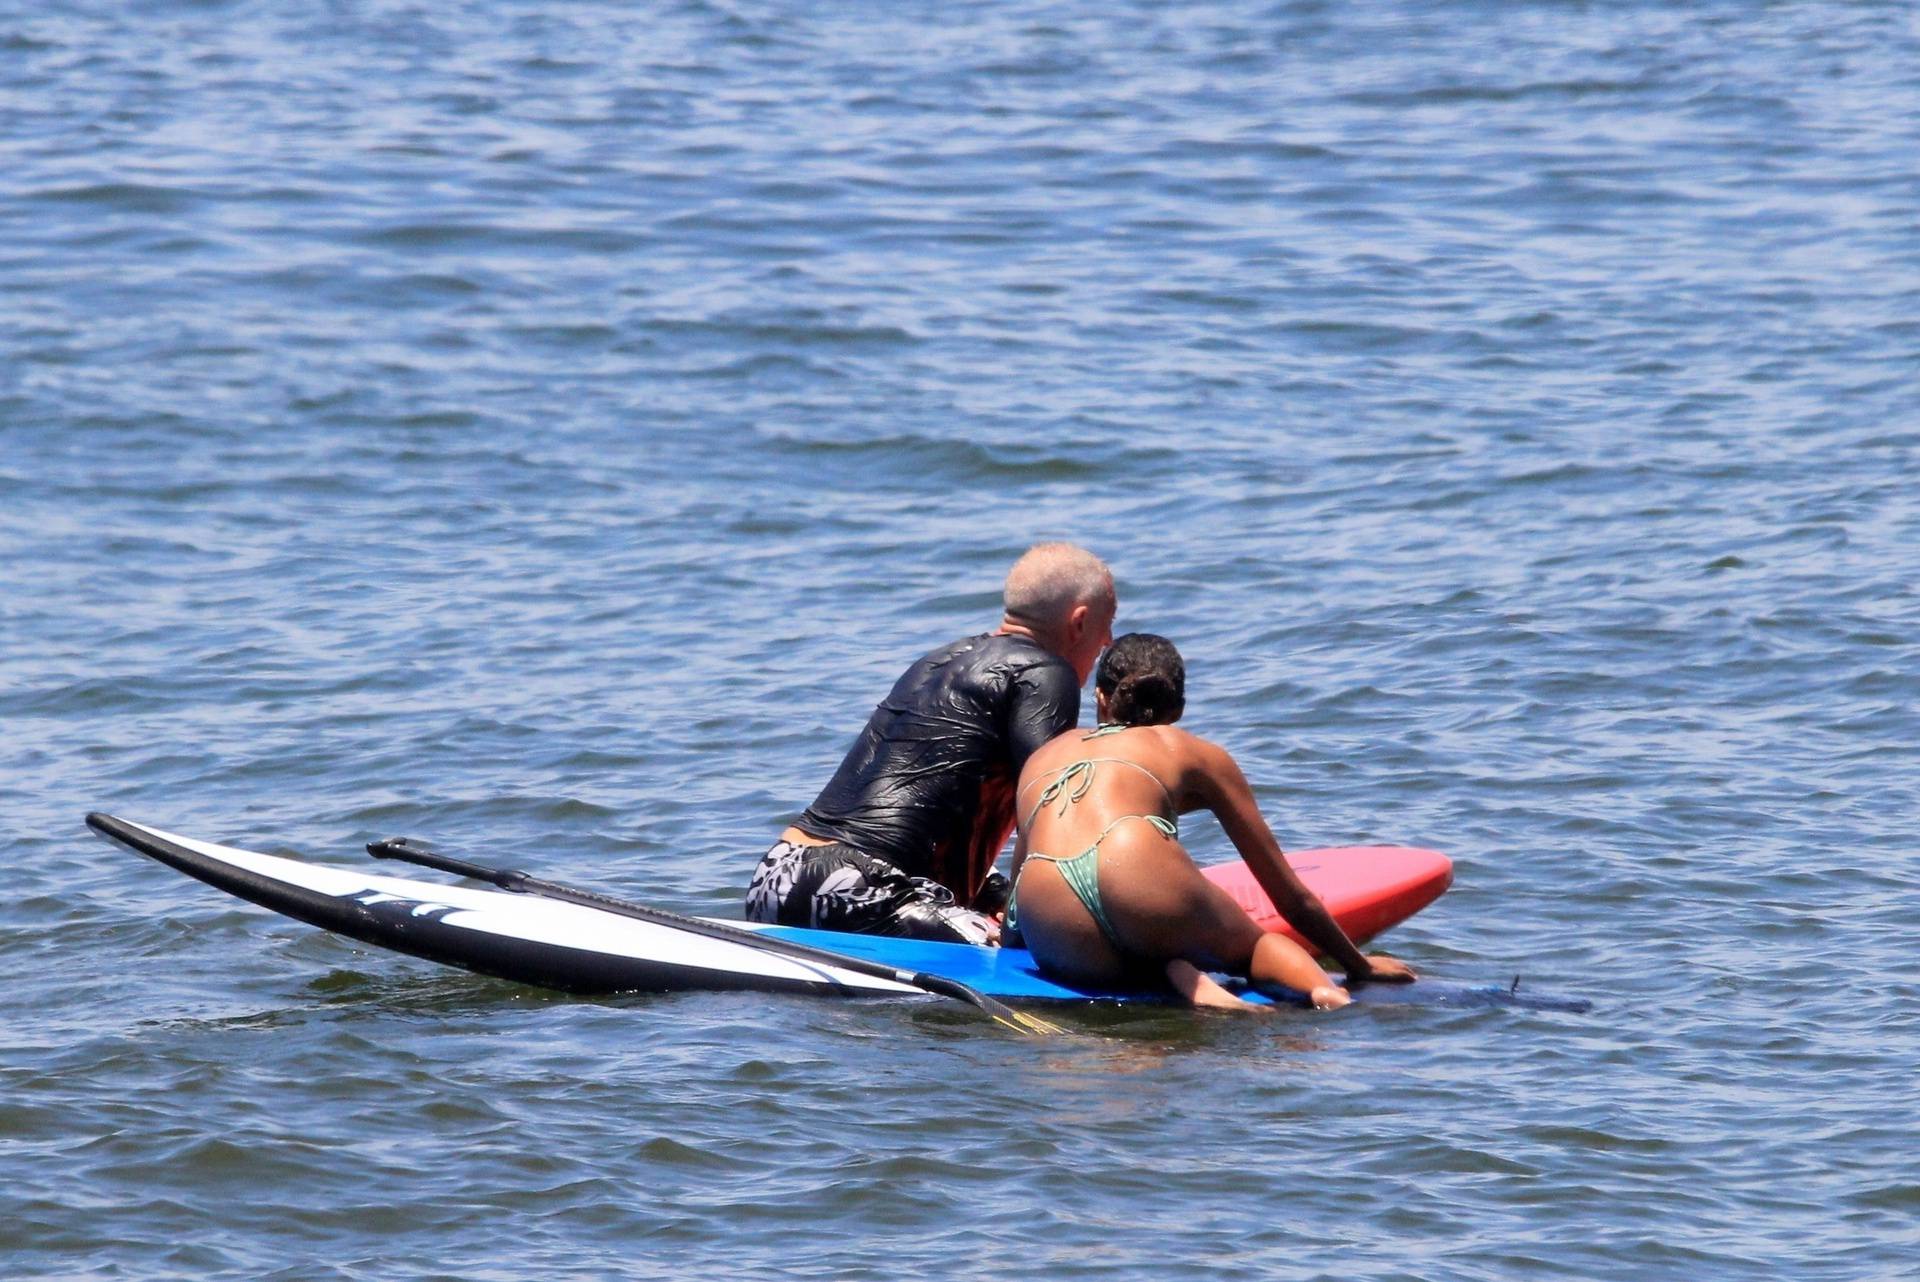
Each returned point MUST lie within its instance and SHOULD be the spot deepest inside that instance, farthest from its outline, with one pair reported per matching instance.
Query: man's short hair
(1050, 579)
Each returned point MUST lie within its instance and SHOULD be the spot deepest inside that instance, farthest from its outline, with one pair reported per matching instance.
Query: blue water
(547, 430)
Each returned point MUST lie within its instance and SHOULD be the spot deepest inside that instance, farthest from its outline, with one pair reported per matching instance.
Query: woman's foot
(1329, 997)
(1200, 988)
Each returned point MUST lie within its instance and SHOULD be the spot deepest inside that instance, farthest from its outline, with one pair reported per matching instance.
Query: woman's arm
(1224, 791)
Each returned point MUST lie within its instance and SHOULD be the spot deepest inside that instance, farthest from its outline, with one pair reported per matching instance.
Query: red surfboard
(1366, 888)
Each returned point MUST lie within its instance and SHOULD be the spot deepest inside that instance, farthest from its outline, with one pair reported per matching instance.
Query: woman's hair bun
(1144, 679)
(1144, 698)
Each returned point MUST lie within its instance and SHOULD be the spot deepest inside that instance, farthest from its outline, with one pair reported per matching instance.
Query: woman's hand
(1386, 970)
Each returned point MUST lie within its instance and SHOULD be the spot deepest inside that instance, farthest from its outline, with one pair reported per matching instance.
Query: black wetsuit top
(929, 783)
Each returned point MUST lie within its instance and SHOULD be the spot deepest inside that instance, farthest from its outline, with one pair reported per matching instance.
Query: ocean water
(546, 430)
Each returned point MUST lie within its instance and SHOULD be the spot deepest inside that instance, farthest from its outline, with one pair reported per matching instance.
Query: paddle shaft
(509, 879)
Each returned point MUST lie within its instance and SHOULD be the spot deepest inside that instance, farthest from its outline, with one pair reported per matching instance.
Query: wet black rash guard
(928, 785)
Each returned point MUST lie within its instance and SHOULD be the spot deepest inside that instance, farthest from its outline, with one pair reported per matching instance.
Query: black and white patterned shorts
(836, 887)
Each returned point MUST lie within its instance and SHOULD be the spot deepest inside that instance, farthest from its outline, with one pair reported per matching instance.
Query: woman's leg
(1162, 908)
(1278, 960)
(1200, 988)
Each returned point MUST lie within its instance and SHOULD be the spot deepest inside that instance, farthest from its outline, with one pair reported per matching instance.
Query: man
(902, 839)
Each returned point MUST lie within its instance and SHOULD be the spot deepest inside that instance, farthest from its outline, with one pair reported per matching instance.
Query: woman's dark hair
(1144, 680)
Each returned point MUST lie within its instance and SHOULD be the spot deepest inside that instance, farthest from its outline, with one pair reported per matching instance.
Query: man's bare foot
(1200, 989)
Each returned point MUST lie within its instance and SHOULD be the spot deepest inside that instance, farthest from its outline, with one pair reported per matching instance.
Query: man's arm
(1045, 702)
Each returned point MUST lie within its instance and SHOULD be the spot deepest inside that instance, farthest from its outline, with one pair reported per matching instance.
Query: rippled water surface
(546, 430)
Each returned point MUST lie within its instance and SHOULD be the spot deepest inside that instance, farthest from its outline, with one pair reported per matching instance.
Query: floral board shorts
(836, 887)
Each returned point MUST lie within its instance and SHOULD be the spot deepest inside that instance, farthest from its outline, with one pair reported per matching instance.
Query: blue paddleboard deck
(1012, 975)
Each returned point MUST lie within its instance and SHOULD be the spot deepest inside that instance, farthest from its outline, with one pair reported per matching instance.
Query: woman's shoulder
(1167, 748)
(1177, 738)
(1117, 740)
(1185, 757)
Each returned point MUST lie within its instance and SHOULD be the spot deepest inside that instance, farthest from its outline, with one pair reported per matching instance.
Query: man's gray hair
(1051, 578)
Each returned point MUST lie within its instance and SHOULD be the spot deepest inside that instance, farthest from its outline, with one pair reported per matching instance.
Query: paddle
(410, 851)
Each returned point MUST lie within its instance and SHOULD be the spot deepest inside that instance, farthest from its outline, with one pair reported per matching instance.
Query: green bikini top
(1073, 780)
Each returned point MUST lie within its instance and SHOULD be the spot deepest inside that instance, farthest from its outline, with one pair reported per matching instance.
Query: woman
(1131, 895)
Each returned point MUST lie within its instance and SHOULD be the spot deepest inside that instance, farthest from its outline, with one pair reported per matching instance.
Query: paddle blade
(1001, 1013)
(1032, 1025)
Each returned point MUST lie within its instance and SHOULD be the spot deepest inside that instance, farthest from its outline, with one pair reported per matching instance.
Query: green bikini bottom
(1082, 873)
